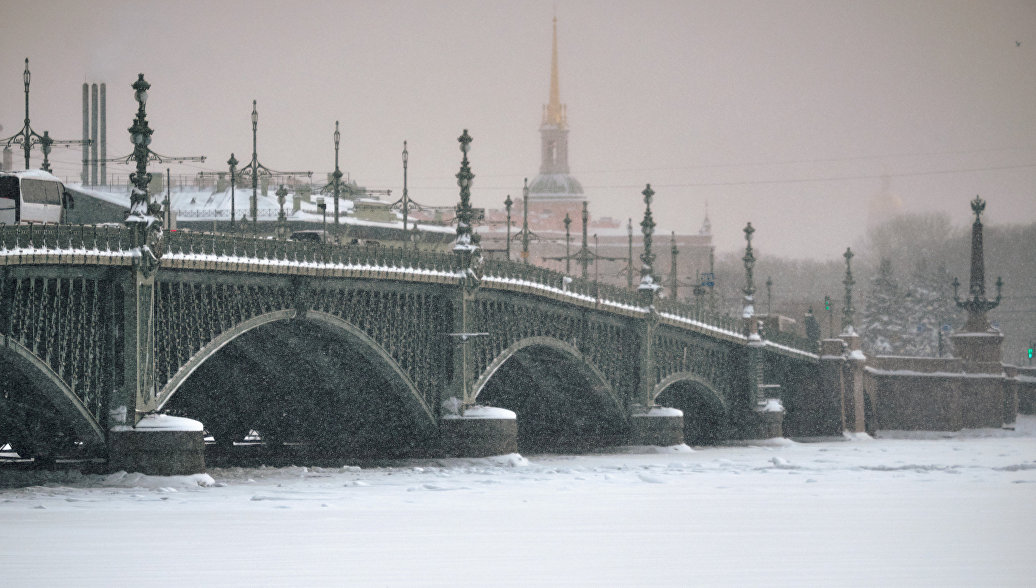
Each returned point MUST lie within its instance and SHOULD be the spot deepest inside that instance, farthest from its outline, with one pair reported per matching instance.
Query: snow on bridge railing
(243, 247)
(520, 273)
(694, 314)
(793, 341)
(65, 238)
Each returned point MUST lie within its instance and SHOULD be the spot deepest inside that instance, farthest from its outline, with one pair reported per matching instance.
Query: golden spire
(555, 113)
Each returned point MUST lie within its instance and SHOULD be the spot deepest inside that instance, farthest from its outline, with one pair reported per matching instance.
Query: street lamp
(255, 169)
(254, 202)
(140, 134)
(322, 207)
(232, 162)
(848, 310)
(282, 219)
(466, 239)
(507, 205)
(406, 194)
(749, 260)
(45, 144)
(27, 137)
(568, 245)
(769, 294)
(337, 177)
(647, 258)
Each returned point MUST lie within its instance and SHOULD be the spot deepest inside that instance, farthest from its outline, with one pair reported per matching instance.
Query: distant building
(555, 193)
(883, 206)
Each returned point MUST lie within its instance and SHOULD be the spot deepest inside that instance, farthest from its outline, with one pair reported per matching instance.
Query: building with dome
(554, 191)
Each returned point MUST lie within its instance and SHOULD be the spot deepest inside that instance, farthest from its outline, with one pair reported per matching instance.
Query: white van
(33, 196)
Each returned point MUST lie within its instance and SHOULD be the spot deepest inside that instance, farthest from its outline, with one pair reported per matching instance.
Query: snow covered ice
(905, 509)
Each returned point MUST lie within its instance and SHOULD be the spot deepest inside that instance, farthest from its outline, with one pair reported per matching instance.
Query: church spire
(555, 111)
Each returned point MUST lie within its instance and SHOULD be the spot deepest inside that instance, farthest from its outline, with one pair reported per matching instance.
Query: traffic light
(827, 306)
(1030, 352)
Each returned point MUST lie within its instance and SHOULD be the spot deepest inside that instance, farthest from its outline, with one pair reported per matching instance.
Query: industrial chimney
(104, 138)
(84, 177)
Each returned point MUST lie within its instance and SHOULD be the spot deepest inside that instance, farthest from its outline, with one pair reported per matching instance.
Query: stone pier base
(480, 432)
(766, 421)
(657, 426)
(158, 445)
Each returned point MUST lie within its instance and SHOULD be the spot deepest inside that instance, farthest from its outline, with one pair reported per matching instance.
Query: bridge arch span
(20, 366)
(562, 400)
(705, 413)
(311, 374)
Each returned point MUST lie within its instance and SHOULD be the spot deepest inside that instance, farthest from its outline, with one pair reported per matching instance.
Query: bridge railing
(521, 272)
(48, 237)
(700, 315)
(793, 341)
(299, 252)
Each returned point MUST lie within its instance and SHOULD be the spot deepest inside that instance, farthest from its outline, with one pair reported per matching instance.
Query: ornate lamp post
(629, 263)
(45, 143)
(647, 258)
(406, 194)
(568, 245)
(507, 243)
(848, 310)
(976, 304)
(253, 203)
(748, 306)
(282, 219)
(322, 207)
(255, 169)
(140, 134)
(466, 239)
(232, 162)
(27, 137)
(769, 295)
(674, 278)
(526, 234)
(337, 178)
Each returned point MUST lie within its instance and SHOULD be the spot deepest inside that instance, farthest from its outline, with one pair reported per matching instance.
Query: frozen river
(933, 510)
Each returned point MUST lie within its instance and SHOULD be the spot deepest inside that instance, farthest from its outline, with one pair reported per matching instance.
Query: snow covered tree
(883, 316)
(928, 303)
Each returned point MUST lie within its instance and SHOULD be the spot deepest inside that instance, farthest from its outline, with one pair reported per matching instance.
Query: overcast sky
(782, 113)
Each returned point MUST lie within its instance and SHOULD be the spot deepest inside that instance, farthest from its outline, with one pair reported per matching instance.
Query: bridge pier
(657, 425)
(158, 445)
(479, 431)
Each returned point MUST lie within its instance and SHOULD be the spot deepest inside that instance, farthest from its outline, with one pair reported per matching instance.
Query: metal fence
(113, 238)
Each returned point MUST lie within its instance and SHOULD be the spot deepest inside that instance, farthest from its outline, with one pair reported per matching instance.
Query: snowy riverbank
(942, 509)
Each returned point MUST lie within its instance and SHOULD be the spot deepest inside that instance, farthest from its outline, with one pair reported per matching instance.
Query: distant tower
(883, 206)
(554, 192)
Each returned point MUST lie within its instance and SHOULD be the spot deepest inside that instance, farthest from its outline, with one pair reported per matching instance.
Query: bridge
(364, 350)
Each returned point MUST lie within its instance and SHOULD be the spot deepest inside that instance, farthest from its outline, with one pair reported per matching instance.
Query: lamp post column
(466, 434)
(254, 202)
(651, 424)
(282, 219)
(45, 144)
(568, 245)
(232, 162)
(508, 203)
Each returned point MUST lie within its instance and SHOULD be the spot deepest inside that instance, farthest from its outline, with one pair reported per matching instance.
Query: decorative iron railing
(45, 237)
(113, 238)
(521, 272)
(301, 252)
(700, 315)
(793, 341)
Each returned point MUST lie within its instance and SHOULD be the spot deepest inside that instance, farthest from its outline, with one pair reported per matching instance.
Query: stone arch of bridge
(374, 353)
(55, 390)
(563, 401)
(585, 367)
(705, 411)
